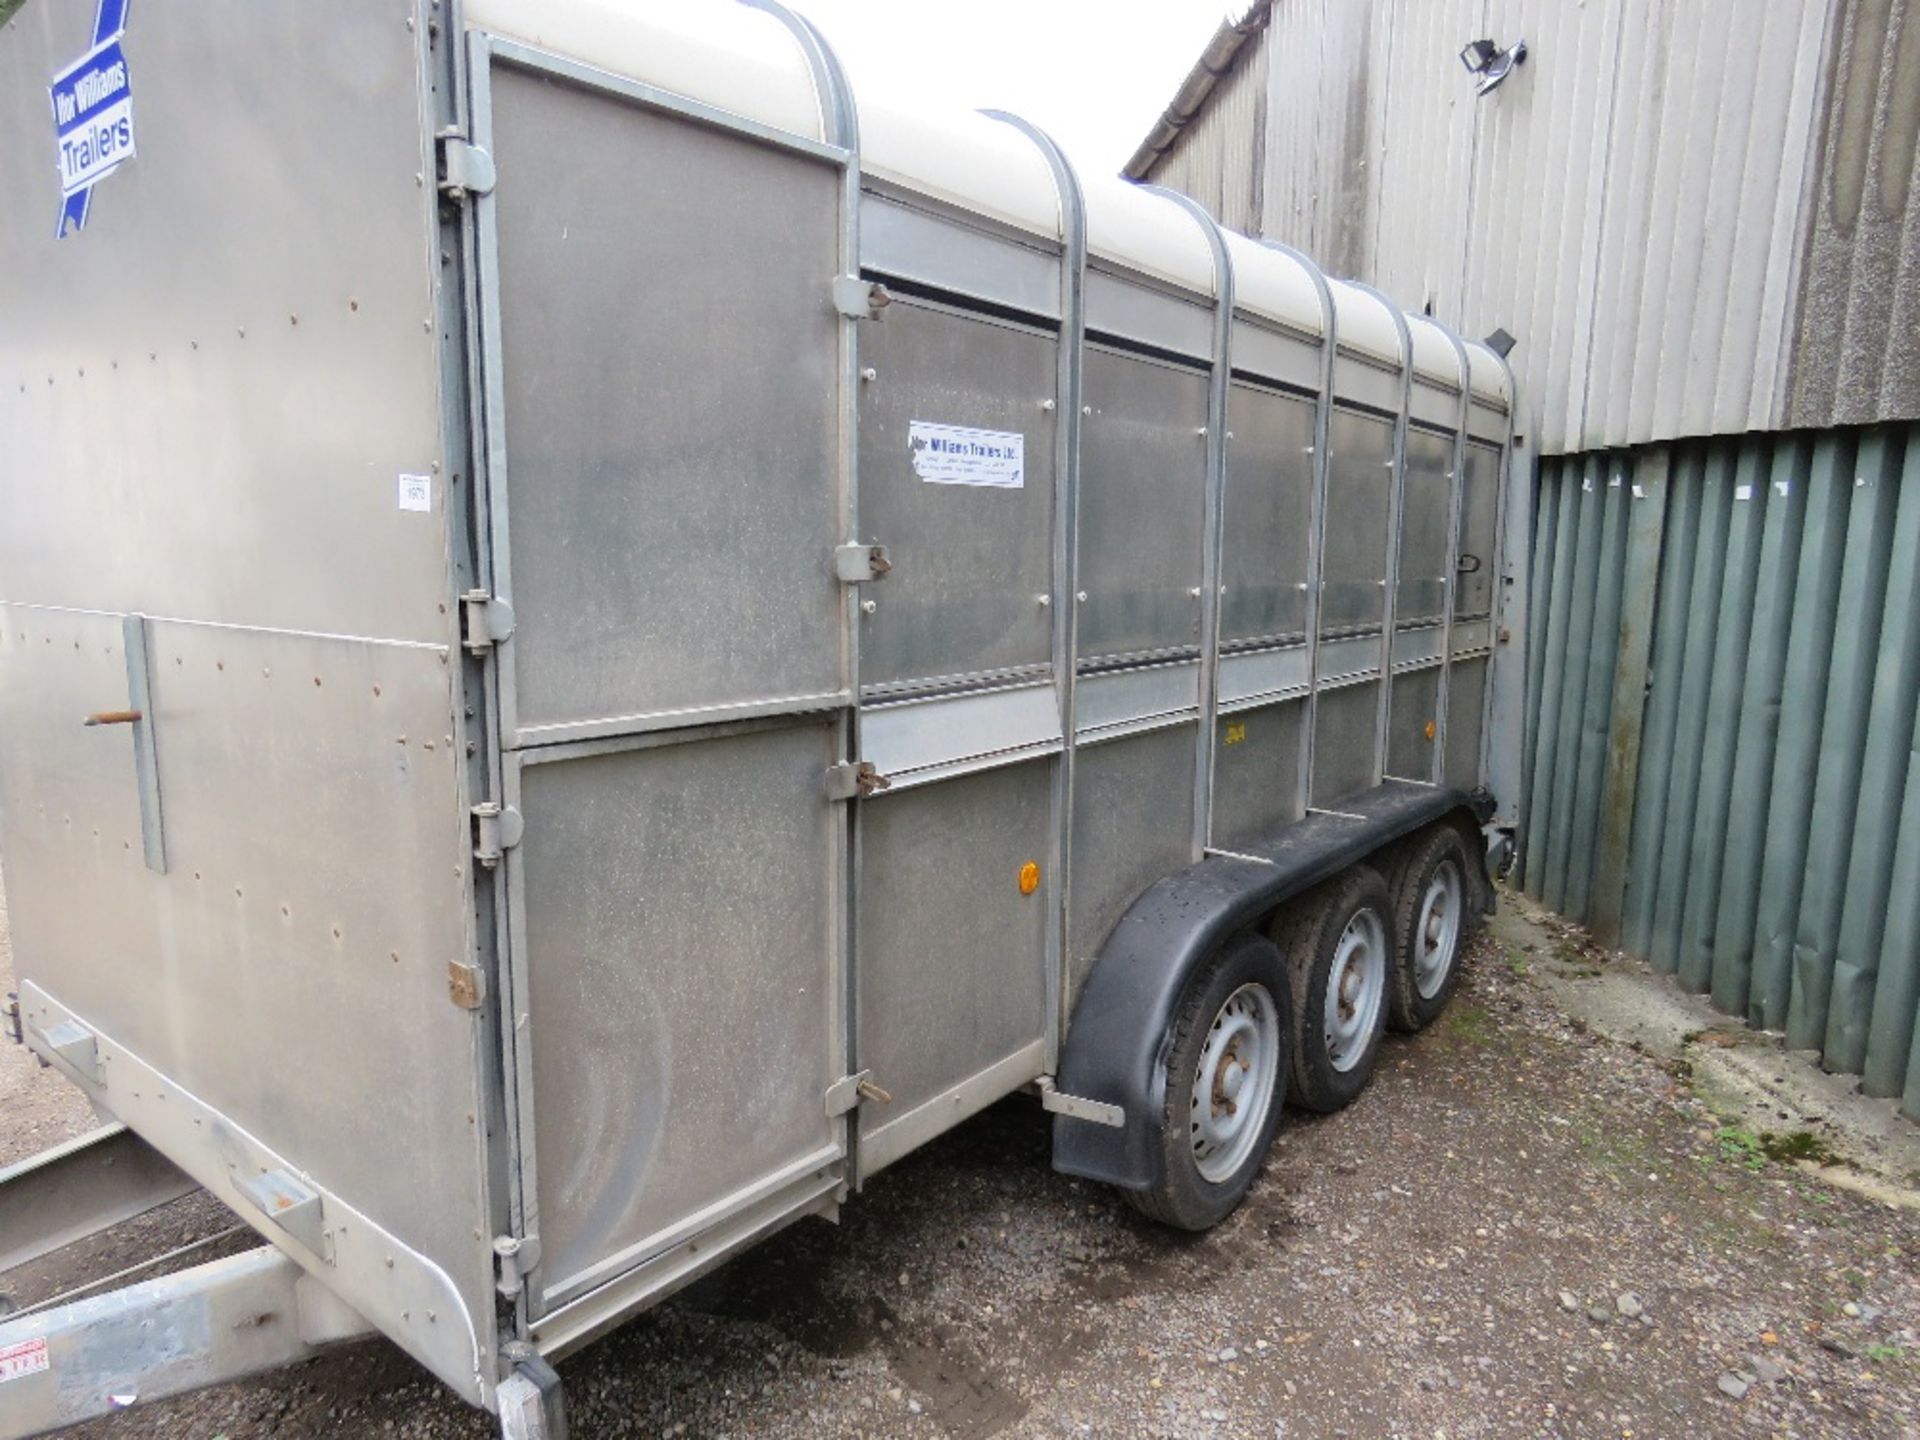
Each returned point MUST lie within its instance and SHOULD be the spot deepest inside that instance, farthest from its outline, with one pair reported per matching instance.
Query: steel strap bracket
(1097, 1112)
(854, 562)
(853, 780)
(496, 829)
(859, 299)
(75, 1045)
(291, 1204)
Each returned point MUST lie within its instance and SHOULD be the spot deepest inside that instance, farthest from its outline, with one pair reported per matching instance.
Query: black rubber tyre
(1423, 983)
(1330, 1069)
(1184, 1197)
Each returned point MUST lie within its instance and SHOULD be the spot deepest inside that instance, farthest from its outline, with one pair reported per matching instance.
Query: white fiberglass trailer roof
(747, 62)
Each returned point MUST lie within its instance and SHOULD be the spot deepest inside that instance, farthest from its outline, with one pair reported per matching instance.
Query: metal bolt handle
(113, 717)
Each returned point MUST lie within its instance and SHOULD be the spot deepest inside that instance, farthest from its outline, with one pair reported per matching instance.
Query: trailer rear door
(660, 359)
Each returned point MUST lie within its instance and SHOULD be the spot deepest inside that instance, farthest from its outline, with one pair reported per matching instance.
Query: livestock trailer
(602, 638)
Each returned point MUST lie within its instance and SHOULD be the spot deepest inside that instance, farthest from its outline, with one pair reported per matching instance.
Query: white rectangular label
(416, 492)
(958, 455)
(17, 1362)
(1743, 492)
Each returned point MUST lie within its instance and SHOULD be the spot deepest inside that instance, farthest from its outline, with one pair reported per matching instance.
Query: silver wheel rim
(1437, 935)
(1233, 1083)
(1356, 984)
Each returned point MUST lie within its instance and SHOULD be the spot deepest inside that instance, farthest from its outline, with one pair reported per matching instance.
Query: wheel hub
(1356, 987)
(1233, 1083)
(1441, 907)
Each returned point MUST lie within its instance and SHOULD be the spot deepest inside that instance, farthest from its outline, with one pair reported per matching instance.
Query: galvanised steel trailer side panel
(228, 498)
(663, 520)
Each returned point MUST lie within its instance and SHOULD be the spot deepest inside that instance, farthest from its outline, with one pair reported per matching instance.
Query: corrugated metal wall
(1218, 159)
(1723, 727)
(1859, 301)
(1697, 216)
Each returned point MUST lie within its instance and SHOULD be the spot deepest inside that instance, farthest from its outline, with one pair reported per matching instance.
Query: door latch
(854, 562)
(859, 299)
(856, 779)
(848, 1091)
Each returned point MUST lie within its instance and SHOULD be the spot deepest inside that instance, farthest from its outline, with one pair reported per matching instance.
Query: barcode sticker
(29, 1357)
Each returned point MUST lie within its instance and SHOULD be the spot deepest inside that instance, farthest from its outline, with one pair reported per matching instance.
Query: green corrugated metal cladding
(1723, 727)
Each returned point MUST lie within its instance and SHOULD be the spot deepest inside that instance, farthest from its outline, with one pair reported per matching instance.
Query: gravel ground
(1523, 1229)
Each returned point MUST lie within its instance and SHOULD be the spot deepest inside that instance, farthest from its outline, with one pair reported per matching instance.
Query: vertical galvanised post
(1457, 484)
(1546, 509)
(1316, 509)
(1510, 592)
(1396, 505)
(841, 121)
(1220, 385)
(1066, 552)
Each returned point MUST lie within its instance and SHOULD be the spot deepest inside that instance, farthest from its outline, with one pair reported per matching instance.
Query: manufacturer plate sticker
(92, 116)
(17, 1362)
(959, 455)
(416, 493)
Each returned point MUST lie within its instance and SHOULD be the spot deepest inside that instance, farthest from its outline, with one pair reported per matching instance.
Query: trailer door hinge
(496, 830)
(859, 299)
(517, 1256)
(486, 621)
(855, 779)
(10, 1020)
(854, 562)
(1098, 1112)
(465, 169)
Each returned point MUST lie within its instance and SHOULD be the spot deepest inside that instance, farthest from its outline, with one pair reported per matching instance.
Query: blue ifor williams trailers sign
(92, 116)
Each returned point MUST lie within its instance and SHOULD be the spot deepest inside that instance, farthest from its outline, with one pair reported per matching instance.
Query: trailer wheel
(1430, 890)
(1338, 944)
(1226, 1076)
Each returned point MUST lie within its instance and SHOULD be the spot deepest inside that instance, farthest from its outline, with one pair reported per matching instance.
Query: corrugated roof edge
(1213, 66)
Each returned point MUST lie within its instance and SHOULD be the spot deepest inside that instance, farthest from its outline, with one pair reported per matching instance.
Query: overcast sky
(1094, 74)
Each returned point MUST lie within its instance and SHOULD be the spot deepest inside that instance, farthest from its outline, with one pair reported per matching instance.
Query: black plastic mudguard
(1123, 1021)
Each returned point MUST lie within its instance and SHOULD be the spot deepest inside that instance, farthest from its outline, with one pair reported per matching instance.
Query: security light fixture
(1486, 59)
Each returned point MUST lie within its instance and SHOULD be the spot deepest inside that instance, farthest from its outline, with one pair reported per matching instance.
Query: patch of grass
(1737, 1145)
(7, 7)
(1885, 1354)
(1517, 963)
(1470, 1023)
